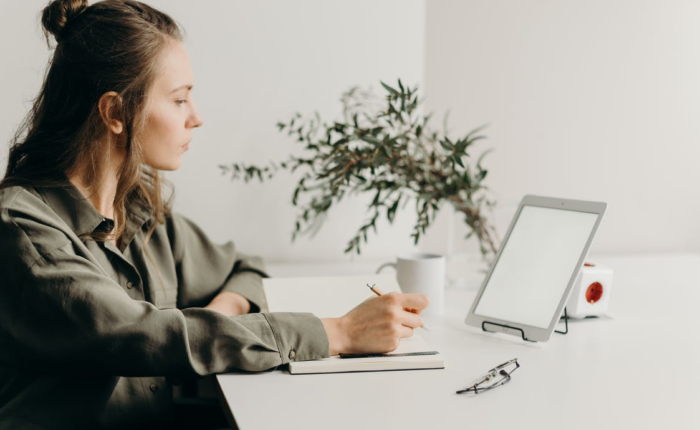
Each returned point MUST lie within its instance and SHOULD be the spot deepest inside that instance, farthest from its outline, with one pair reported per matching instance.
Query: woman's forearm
(229, 303)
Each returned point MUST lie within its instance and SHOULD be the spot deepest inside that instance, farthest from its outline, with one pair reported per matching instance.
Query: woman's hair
(112, 45)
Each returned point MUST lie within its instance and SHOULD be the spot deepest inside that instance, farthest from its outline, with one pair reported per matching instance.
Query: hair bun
(59, 13)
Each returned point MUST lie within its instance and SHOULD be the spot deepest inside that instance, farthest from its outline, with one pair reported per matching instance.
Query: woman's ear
(109, 105)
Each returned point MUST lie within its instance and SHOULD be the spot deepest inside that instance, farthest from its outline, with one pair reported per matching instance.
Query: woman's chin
(166, 166)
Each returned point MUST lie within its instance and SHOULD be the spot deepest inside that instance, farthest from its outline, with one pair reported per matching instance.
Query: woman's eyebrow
(189, 87)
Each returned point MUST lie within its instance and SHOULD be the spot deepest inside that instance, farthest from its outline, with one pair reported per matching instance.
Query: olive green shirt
(90, 337)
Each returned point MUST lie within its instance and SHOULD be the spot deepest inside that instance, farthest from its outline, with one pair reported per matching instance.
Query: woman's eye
(180, 102)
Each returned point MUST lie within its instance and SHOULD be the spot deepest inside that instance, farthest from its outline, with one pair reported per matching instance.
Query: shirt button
(129, 285)
(153, 387)
(292, 354)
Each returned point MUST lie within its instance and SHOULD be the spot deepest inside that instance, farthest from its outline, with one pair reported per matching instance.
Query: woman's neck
(102, 194)
(101, 198)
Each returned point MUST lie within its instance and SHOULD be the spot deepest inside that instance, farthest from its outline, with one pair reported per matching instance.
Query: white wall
(594, 99)
(256, 63)
(591, 99)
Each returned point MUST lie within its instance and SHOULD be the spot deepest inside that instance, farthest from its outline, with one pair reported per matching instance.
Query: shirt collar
(82, 217)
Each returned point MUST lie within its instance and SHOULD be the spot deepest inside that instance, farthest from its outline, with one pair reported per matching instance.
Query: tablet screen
(536, 265)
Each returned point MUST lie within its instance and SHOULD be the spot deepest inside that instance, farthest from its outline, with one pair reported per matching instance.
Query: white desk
(638, 369)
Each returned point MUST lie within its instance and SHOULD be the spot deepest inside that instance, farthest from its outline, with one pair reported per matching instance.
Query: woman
(106, 294)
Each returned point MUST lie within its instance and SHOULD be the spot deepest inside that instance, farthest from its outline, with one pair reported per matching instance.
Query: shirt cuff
(299, 336)
(248, 285)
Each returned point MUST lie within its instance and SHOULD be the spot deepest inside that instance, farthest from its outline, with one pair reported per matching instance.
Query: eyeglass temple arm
(500, 370)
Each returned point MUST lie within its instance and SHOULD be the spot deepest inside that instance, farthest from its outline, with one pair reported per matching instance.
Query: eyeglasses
(499, 375)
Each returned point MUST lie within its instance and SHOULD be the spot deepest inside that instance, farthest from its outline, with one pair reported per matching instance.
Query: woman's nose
(196, 119)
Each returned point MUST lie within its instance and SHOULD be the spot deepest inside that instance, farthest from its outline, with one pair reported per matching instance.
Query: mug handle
(386, 265)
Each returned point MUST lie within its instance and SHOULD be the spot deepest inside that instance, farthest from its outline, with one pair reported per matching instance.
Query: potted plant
(386, 148)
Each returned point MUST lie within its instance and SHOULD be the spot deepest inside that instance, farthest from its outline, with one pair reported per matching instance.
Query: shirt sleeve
(205, 268)
(59, 312)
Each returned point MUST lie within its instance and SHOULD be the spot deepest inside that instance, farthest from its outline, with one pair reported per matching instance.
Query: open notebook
(334, 297)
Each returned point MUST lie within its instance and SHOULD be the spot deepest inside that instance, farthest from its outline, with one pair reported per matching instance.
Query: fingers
(405, 332)
(411, 320)
(417, 302)
(407, 307)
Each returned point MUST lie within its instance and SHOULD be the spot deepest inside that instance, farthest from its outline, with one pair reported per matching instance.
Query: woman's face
(171, 115)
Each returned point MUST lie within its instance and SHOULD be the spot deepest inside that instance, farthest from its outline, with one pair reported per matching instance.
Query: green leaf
(391, 211)
(415, 237)
(475, 138)
(295, 196)
(349, 248)
(446, 145)
(375, 201)
(444, 122)
(461, 145)
(476, 130)
(467, 180)
(388, 88)
(369, 139)
(481, 157)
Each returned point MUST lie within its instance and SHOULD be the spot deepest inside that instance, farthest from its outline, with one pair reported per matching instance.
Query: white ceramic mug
(422, 273)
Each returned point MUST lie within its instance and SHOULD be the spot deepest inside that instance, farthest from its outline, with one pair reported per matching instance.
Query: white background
(592, 100)
(586, 99)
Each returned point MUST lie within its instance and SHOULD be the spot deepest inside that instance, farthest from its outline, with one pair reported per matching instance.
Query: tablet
(528, 284)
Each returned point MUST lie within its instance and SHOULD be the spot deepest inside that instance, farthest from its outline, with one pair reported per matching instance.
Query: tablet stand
(522, 333)
(566, 323)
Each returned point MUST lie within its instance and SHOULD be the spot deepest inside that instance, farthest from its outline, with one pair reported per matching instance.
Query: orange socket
(594, 292)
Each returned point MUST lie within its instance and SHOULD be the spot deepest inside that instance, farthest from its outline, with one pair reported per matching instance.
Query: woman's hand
(229, 304)
(375, 325)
